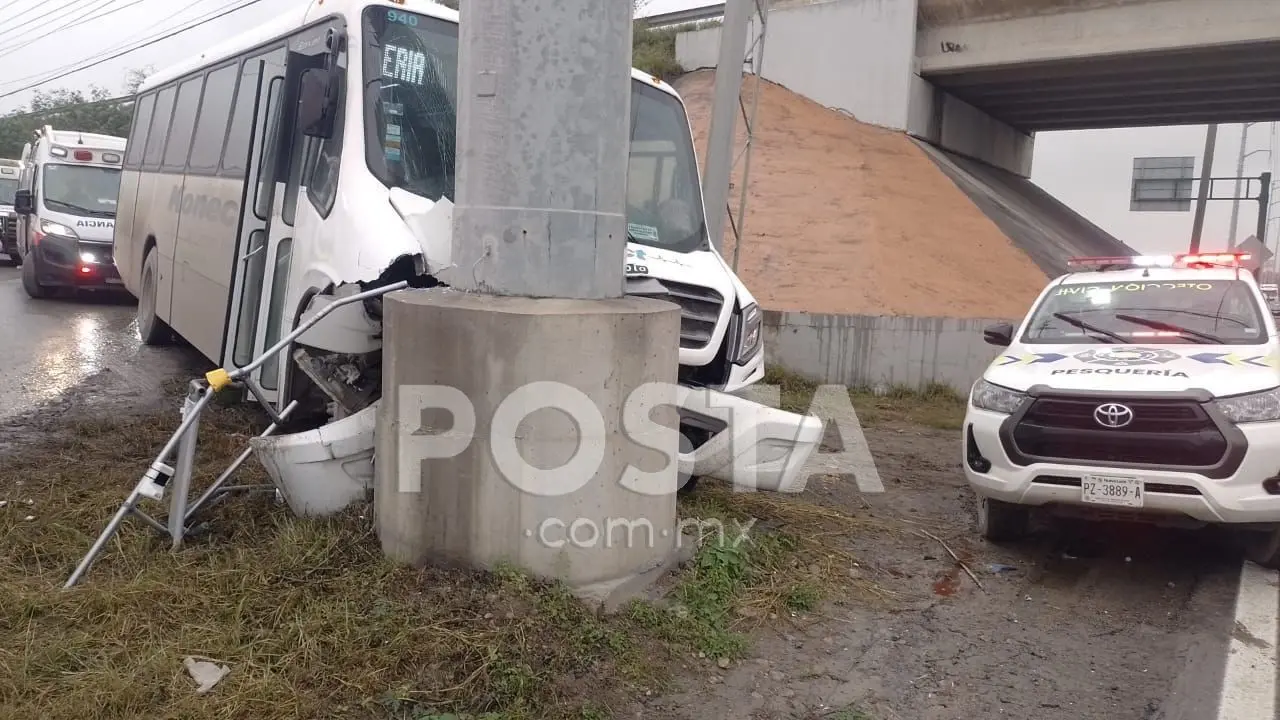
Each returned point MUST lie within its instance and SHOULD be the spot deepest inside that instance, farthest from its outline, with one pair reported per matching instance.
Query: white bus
(314, 157)
(66, 208)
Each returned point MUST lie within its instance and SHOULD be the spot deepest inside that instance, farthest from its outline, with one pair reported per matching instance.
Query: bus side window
(211, 127)
(184, 121)
(138, 133)
(159, 128)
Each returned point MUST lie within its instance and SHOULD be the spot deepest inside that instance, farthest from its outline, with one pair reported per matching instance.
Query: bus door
(258, 318)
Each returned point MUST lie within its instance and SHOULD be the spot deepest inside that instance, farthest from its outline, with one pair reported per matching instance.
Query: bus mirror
(22, 202)
(318, 102)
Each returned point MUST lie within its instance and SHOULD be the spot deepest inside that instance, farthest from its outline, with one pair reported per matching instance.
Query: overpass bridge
(981, 77)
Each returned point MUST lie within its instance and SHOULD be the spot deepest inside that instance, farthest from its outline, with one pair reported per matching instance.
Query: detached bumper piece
(755, 448)
(322, 471)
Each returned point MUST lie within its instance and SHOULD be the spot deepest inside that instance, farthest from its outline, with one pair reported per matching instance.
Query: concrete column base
(449, 494)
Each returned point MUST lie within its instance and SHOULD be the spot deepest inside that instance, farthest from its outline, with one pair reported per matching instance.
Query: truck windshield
(81, 189)
(410, 78)
(7, 189)
(1212, 311)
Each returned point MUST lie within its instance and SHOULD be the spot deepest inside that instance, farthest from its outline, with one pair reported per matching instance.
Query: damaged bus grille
(699, 307)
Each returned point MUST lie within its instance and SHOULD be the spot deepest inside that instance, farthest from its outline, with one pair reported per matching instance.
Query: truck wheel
(1263, 547)
(153, 330)
(30, 283)
(999, 521)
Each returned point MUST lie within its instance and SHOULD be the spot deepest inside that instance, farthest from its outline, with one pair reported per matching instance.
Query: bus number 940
(402, 18)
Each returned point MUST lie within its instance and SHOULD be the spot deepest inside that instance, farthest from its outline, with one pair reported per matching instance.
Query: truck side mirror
(1000, 334)
(319, 101)
(22, 202)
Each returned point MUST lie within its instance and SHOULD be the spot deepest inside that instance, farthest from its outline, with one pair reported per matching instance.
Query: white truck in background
(9, 171)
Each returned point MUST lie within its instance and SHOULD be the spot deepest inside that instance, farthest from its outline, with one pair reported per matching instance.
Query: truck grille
(8, 230)
(1171, 433)
(699, 311)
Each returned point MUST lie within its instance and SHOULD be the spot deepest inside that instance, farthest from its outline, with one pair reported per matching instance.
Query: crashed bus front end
(367, 203)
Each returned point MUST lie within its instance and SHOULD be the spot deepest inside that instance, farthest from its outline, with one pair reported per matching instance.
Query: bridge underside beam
(1238, 83)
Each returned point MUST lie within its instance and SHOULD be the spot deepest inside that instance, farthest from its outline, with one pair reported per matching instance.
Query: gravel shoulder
(1079, 620)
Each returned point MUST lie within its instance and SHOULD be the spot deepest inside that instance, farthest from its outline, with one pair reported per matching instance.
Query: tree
(93, 111)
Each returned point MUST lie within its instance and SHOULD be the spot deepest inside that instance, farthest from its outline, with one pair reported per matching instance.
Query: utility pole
(726, 105)
(1202, 196)
(469, 471)
(1235, 204)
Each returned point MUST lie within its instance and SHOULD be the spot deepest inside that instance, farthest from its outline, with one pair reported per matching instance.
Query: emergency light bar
(1181, 260)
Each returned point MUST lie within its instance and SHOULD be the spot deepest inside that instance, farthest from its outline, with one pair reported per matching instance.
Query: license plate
(114, 281)
(1111, 490)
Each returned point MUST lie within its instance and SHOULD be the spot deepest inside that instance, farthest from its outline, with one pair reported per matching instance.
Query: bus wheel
(29, 281)
(153, 330)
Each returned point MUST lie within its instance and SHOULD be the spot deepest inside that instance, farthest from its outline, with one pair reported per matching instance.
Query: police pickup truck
(1144, 388)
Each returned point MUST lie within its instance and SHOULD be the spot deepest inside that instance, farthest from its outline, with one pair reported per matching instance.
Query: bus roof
(307, 11)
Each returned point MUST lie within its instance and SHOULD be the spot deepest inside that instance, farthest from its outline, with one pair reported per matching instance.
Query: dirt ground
(1079, 621)
(849, 218)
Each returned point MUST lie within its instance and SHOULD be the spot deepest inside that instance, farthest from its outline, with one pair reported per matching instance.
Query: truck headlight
(1254, 407)
(749, 336)
(49, 227)
(995, 398)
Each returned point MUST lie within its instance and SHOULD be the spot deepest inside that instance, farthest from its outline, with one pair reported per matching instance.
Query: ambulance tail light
(83, 155)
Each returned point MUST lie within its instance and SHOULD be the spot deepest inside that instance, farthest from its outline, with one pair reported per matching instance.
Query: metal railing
(171, 470)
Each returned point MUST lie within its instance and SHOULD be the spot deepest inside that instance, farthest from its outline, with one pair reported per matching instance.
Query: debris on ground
(205, 673)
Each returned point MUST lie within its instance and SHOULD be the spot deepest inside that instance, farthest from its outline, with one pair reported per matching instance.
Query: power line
(78, 21)
(64, 108)
(45, 74)
(31, 9)
(126, 51)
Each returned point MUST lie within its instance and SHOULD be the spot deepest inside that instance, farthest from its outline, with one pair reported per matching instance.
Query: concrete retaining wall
(867, 351)
(859, 57)
(851, 55)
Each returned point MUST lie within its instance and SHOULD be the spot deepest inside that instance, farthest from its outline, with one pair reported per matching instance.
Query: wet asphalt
(79, 351)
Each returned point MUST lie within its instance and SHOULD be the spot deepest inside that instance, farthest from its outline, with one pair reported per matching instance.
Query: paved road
(81, 348)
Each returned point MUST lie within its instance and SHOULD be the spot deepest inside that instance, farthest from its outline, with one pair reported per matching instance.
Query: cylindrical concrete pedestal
(451, 484)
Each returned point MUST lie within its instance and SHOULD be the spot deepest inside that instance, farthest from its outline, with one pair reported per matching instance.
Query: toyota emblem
(1113, 415)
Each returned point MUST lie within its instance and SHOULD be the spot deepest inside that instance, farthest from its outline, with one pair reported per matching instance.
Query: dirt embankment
(848, 218)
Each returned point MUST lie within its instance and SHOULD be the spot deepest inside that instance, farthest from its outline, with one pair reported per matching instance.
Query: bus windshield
(7, 189)
(1220, 312)
(81, 189)
(410, 79)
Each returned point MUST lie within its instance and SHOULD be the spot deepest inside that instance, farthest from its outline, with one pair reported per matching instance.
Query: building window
(1162, 184)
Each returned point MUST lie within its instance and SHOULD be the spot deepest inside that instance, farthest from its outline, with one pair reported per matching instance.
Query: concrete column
(452, 489)
(544, 97)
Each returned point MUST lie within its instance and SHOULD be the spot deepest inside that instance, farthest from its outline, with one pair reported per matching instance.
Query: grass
(314, 623)
(936, 405)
